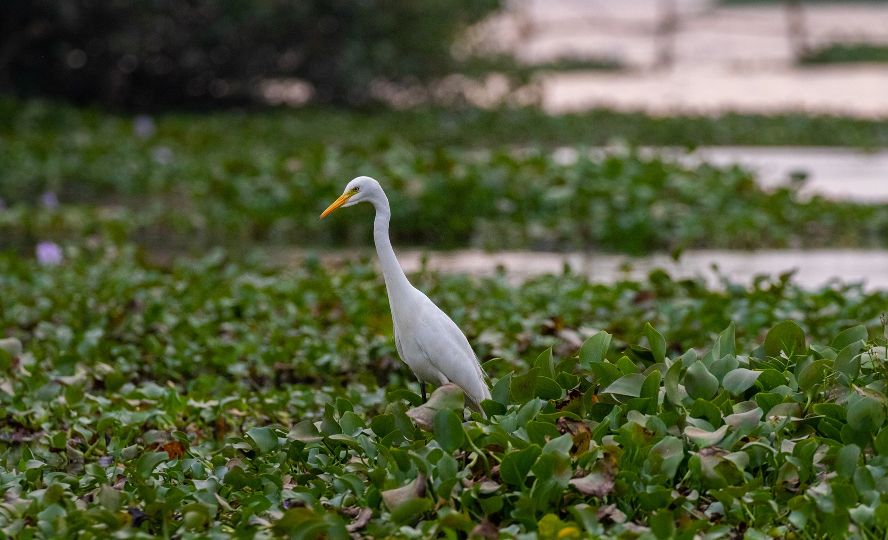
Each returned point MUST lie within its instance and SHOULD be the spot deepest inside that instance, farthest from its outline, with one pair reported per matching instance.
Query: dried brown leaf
(486, 529)
(414, 490)
(360, 521)
(174, 449)
(596, 483)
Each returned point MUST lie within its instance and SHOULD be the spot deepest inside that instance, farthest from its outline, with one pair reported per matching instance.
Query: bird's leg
(423, 390)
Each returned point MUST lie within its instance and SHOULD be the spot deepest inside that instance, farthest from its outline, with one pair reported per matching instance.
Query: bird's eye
(355, 190)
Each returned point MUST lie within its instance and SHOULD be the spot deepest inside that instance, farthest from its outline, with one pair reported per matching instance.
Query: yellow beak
(336, 204)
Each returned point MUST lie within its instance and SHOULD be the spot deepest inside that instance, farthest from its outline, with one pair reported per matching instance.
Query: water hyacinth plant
(229, 179)
(214, 398)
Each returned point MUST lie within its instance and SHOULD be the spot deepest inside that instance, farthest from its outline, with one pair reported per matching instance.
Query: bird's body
(428, 341)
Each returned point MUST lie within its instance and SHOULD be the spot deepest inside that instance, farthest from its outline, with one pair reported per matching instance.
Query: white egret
(426, 338)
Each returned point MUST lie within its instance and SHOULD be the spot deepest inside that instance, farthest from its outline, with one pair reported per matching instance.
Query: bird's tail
(479, 393)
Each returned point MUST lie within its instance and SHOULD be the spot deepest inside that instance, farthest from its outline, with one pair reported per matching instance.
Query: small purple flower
(49, 200)
(143, 126)
(49, 254)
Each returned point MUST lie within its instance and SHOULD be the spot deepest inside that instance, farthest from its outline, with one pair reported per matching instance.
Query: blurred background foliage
(205, 53)
(194, 181)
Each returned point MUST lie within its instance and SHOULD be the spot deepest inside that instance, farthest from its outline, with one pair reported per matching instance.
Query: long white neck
(396, 282)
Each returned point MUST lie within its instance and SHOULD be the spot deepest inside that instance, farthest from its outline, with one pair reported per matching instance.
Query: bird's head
(360, 189)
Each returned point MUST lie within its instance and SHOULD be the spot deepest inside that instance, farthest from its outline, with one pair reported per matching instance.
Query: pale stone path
(725, 58)
(813, 268)
(859, 91)
(836, 173)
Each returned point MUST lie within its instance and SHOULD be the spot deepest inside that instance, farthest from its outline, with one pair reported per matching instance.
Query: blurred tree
(152, 53)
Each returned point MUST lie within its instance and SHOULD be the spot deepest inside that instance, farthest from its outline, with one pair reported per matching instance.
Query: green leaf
(493, 408)
(771, 378)
(382, 424)
(671, 384)
(657, 343)
(559, 446)
(302, 521)
(541, 432)
(882, 442)
(528, 411)
(109, 498)
(587, 516)
(626, 366)
(812, 375)
(832, 410)
(351, 423)
(411, 511)
(651, 386)
(501, 389)
(398, 497)
(739, 380)
(604, 373)
(11, 346)
(847, 362)
(594, 349)
(627, 385)
(666, 456)
(849, 336)
(517, 464)
(448, 430)
(787, 337)
(847, 459)
(397, 394)
(547, 389)
(866, 414)
(523, 387)
(724, 344)
(446, 397)
(703, 438)
(264, 438)
(723, 366)
(662, 524)
(545, 363)
(745, 422)
(703, 408)
(699, 382)
(305, 431)
(148, 462)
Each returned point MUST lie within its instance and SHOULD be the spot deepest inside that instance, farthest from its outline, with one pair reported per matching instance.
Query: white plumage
(426, 338)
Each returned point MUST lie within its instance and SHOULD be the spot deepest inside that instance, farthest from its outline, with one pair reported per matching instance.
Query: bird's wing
(447, 349)
(398, 346)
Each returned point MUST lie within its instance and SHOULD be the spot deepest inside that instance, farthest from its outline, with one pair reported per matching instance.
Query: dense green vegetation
(468, 127)
(226, 396)
(219, 397)
(191, 181)
(843, 53)
(205, 53)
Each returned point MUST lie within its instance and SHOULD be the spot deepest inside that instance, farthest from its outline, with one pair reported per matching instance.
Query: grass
(844, 53)
(230, 179)
(223, 397)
